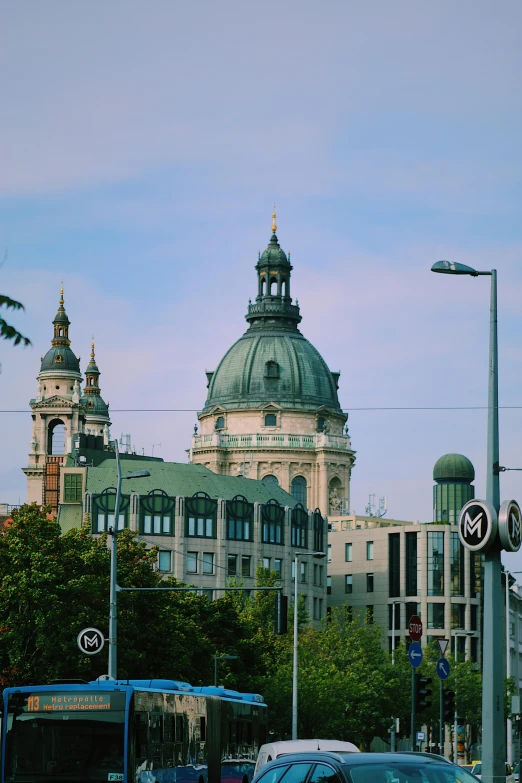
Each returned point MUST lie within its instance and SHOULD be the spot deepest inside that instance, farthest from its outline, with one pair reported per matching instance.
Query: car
(273, 750)
(330, 767)
(477, 771)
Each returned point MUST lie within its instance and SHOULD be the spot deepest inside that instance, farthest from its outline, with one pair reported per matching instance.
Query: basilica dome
(272, 361)
(60, 357)
(273, 366)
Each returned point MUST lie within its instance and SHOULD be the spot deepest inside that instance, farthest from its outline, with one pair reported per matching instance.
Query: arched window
(283, 287)
(318, 524)
(320, 424)
(220, 423)
(299, 533)
(263, 286)
(273, 286)
(270, 420)
(335, 496)
(273, 517)
(271, 369)
(270, 479)
(299, 489)
(157, 513)
(56, 437)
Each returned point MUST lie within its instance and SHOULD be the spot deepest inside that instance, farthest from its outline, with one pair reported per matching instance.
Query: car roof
(305, 745)
(351, 759)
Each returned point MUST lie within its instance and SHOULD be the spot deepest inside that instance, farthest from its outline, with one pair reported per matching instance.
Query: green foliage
(7, 331)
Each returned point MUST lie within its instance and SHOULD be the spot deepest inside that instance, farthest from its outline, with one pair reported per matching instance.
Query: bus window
(202, 729)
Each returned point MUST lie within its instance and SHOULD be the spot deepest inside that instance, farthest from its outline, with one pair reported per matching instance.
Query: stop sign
(415, 628)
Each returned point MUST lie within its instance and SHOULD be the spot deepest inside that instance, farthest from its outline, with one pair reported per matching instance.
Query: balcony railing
(273, 440)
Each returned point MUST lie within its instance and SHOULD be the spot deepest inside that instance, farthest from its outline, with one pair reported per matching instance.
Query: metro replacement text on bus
(135, 731)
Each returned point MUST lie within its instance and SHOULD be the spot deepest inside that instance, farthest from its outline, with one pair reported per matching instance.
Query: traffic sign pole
(441, 726)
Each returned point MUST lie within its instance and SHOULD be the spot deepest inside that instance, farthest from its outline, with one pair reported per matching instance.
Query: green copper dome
(272, 361)
(60, 357)
(454, 468)
(272, 366)
(95, 405)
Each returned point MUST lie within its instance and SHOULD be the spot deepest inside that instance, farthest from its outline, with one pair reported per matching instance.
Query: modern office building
(384, 566)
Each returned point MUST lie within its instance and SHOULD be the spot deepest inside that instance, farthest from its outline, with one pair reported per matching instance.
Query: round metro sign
(509, 527)
(478, 525)
(415, 628)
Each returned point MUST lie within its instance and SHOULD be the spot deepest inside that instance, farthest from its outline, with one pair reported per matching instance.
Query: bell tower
(57, 414)
(97, 421)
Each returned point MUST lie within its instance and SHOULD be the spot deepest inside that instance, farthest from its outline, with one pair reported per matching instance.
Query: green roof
(70, 516)
(454, 467)
(176, 478)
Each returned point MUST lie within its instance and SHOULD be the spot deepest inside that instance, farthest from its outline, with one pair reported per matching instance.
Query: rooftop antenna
(155, 444)
(125, 443)
(372, 510)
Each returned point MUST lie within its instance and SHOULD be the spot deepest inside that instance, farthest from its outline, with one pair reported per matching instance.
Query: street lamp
(493, 727)
(113, 607)
(394, 724)
(222, 658)
(294, 677)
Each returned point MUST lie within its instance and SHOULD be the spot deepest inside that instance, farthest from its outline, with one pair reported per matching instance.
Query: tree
(7, 331)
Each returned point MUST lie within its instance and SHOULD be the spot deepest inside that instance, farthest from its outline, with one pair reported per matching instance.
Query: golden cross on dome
(274, 226)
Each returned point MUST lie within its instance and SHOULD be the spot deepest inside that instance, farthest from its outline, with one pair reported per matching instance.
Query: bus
(135, 731)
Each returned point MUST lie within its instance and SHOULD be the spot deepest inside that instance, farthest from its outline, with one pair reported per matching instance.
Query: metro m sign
(478, 525)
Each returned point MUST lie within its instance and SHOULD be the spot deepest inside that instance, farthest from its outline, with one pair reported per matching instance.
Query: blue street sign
(415, 654)
(443, 668)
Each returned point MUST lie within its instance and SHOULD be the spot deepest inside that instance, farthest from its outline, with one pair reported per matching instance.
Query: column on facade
(285, 476)
(178, 561)
(322, 499)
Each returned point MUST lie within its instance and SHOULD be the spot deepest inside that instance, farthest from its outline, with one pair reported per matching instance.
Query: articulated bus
(135, 731)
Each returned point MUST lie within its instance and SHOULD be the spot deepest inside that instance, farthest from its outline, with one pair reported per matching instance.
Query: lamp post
(456, 634)
(294, 673)
(221, 658)
(493, 728)
(394, 725)
(113, 605)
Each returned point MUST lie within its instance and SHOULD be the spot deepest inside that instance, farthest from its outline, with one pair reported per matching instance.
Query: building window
(318, 608)
(240, 517)
(369, 583)
(435, 615)
(157, 514)
(302, 570)
(220, 423)
(200, 516)
(456, 565)
(329, 554)
(348, 583)
(271, 370)
(394, 564)
(411, 610)
(164, 561)
(369, 550)
(328, 585)
(476, 573)
(191, 563)
(473, 618)
(270, 479)
(299, 489)
(278, 567)
(299, 526)
(318, 524)
(318, 575)
(266, 563)
(270, 420)
(103, 507)
(320, 424)
(232, 565)
(72, 485)
(435, 563)
(272, 517)
(348, 550)
(369, 614)
(245, 565)
(208, 562)
(411, 564)
(474, 649)
(458, 615)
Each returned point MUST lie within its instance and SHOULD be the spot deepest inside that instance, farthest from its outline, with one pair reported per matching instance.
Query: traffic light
(448, 705)
(281, 613)
(422, 693)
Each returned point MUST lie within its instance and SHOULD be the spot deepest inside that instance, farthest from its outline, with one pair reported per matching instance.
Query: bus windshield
(76, 735)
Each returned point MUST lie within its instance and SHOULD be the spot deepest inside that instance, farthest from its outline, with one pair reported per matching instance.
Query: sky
(142, 147)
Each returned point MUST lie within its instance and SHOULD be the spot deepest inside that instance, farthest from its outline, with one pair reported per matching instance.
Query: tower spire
(274, 224)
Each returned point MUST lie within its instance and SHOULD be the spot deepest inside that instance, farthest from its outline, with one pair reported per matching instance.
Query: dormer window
(220, 423)
(321, 424)
(271, 370)
(58, 358)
